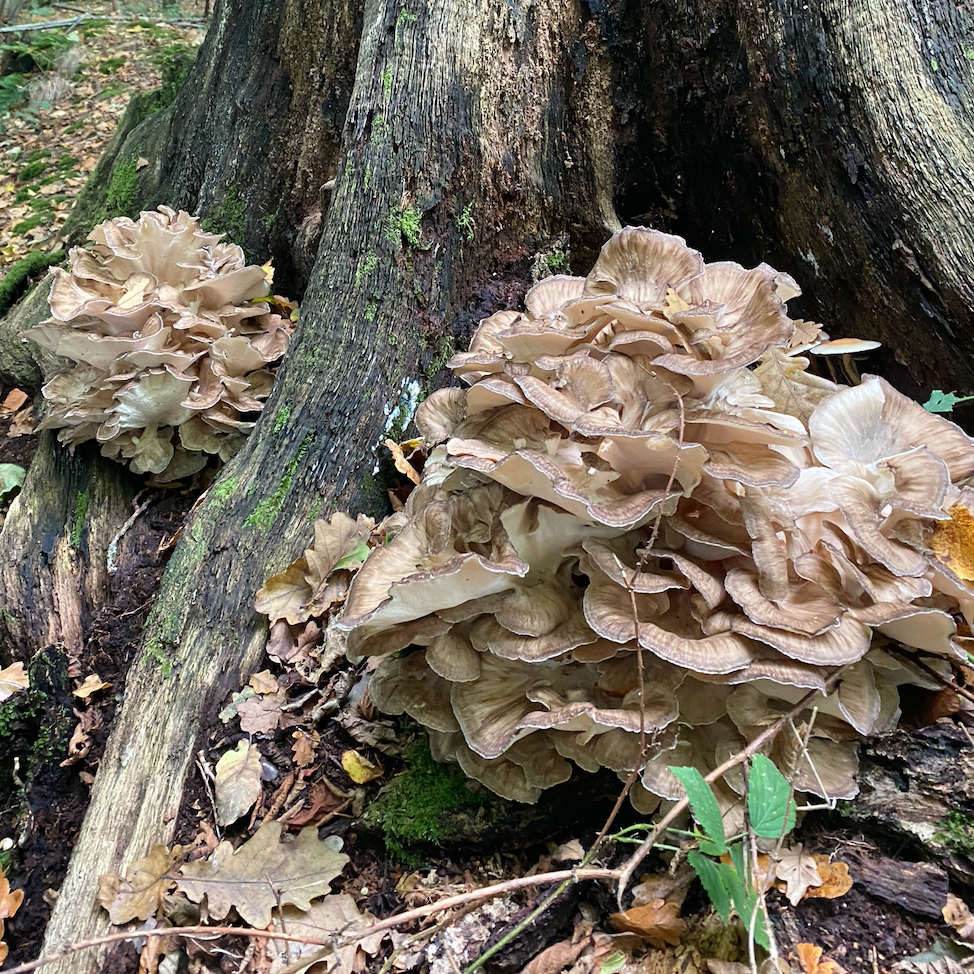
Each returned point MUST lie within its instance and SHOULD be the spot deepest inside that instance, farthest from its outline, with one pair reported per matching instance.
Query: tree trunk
(472, 146)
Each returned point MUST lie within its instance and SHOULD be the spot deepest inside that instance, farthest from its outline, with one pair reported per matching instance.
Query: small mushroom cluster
(173, 340)
(643, 468)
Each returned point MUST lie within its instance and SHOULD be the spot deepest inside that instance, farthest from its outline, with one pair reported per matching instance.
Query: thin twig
(113, 544)
(930, 671)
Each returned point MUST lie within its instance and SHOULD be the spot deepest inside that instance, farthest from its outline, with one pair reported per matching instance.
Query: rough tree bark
(470, 142)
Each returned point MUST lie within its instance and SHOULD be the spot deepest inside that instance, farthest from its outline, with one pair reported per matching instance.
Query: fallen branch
(75, 21)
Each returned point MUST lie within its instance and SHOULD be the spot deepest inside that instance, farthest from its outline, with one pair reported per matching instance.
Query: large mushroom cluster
(642, 465)
(173, 340)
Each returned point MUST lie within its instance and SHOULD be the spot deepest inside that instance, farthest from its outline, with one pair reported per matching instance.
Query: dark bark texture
(474, 147)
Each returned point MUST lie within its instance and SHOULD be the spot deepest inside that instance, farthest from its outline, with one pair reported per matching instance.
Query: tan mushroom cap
(159, 307)
(644, 487)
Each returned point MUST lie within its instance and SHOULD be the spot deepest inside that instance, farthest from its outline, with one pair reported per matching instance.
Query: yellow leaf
(402, 464)
(268, 270)
(93, 683)
(953, 542)
(359, 768)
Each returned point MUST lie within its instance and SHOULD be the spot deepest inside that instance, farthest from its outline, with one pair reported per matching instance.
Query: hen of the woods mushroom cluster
(642, 465)
(173, 337)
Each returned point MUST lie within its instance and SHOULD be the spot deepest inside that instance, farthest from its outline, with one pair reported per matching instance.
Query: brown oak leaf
(658, 923)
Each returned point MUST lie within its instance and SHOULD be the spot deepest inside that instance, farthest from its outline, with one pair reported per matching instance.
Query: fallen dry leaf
(836, 880)
(237, 782)
(22, 423)
(672, 889)
(264, 682)
(303, 748)
(13, 401)
(958, 916)
(10, 901)
(309, 586)
(293, 645)
(12, 679)
(810, 958)
(261, 715)
(320, 801)
(263, 875)
(80, 743)
(92, 684)
(335, 914)
(798, 871)
(658, 923)
(146, 882)
(953, 542)
(557, 957)
(359, 768)
(570, 851)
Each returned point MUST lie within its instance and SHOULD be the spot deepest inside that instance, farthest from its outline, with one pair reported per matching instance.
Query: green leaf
(737, 879)
(709, 875)
(355, 557)
(614, 962)
(944, 402)
(11, 478)
(770, 807)
(704, 805)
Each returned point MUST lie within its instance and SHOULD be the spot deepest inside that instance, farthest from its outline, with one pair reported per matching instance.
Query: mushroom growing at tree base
(644, 530)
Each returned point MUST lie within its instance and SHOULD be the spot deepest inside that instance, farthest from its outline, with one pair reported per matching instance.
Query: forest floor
(304, 747)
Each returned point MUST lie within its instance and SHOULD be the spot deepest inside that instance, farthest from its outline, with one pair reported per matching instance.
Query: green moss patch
(418, 805)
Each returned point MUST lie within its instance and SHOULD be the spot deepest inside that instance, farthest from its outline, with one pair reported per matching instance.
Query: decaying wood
(920, 887)
(918, 788)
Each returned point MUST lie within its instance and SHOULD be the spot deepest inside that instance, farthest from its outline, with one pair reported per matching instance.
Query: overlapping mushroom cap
(642, 468)
(173, 339)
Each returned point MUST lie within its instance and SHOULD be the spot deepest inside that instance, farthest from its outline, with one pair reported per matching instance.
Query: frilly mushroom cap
(645, 520)
(167, 326)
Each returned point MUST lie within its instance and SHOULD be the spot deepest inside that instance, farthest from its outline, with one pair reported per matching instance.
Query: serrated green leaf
(737, 879)
(770, 807)
(703, 804)
(709, 875)
(944, 402)
(11, 478)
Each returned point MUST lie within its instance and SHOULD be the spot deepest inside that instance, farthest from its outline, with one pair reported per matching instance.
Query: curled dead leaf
(836, 880)
(399, 459)
(92, 684)
(658, 923)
